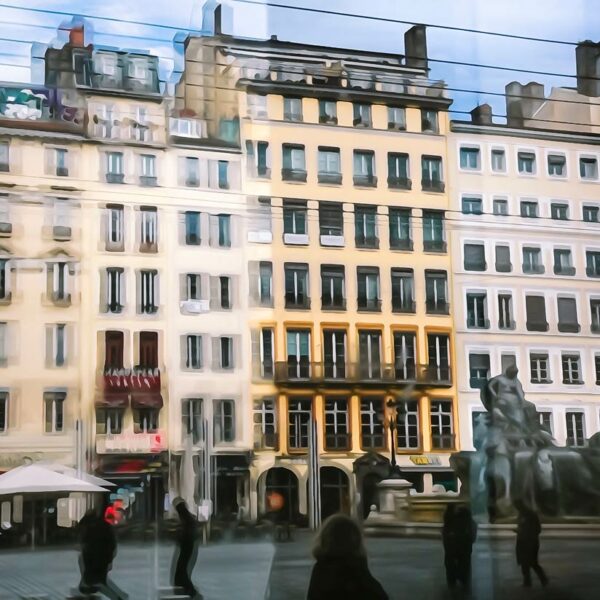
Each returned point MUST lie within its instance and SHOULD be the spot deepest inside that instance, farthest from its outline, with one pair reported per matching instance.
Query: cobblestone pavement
(408, 569)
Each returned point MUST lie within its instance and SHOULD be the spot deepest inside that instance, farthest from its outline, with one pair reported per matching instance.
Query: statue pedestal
(393, 499)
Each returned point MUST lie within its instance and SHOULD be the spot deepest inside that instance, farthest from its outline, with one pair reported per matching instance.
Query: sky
(572, 20)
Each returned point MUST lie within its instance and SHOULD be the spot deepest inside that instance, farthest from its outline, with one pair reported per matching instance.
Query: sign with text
(132, 443)
(425, 460)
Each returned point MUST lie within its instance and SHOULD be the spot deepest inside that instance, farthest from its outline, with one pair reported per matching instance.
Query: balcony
(328, 303)
(295, 239)
(558, 270)
(328, 120)
(148, 181)
(298, 175)
(399, 183)
(365, 180)
(192, 181)
(62, 172)
(330, 178)
(533, 269)
(115, 177)
(334, 241)
(569, 327)
(377, 375)
(434, 246)
(432, 185)
(369, 242)
(61, 233)
(437, 308)
(369, 305)
(194, 307)
(60, 299)
(408, 306)
(401, 244)
(297, 303)
(187, 130)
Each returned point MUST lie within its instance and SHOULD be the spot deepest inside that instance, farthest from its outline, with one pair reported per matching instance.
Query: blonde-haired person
(341, 571)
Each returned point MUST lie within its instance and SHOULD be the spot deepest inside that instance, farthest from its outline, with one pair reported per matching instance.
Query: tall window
(334, 353)
(3, 343)
(225, 292)
(192, 228)
(535, 308)
(294, 219)
(4, 157)
(329, 165)
(148, 291)
(3, 412)
(592, 263)
(148, 169)
(442, 426)
(505, 312)
(328, 111)
(364, 168)
(433, 231)
(298, 353)
(224, 225)
(193, 355)
(469, 159)
(429, 121)
(591, 214)
(192, 171)
(500, 207)
(532, 260)
(337, 436)
(557, 165)
(503, 264)
(369, 349)
(115, 230)
(333, 295)
(294, 165)
(398, 173)
(267, 354)
(526, 163)
(224, 421)
(539, 365)
(438, 349)
(54, 411)
(595, 314)
(372, 427)
(4, 280)
(396, 118)
(407, 425)
(148, 228)
(365, 226)
(61, 162)
(575, 425)
(567, 315)
(59, 273)
(148, 350)
(331, 221)
(292, 109)
(192, 416)
(265, 424)
(588, 168)
(296, 285)
(145, 420)
(299, 412)
(498, 159)
(56, 345)
(265, 283)
(223, 174)
(114, 167)
(400, 229)
(405, 355)
(571, 368)
(476, 310)
(436, 292)
(431, 174)
(368, 288)
(474, 257)
(226, 352)
(109, 420)
(114, 291)
(403, 286)
(362, 115)
(479, 369)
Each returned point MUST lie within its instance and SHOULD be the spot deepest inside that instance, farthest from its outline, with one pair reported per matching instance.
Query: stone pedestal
(393, 499)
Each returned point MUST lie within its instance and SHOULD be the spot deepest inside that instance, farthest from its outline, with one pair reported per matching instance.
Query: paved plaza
(408, 569)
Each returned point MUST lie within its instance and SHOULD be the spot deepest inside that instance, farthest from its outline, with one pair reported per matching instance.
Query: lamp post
(396, 473)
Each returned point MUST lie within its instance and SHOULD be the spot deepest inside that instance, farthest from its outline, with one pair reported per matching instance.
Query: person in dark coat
(98, 550)
(458, 534)
(341, 571)
(187, 549)
(528, 545)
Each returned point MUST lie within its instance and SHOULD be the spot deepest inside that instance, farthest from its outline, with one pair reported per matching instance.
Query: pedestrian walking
(98, 550)
(459, 533)
(341, 571)
(187, 549)
(528, 546)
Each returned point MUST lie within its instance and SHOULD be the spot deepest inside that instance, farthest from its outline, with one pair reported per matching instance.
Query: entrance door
(335, 492)
(283, 482)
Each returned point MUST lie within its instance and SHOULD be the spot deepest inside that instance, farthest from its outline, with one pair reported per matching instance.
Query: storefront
(231, 480)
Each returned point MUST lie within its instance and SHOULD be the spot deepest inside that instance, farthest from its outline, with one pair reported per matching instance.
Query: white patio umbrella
(32, 479)
(71, 472)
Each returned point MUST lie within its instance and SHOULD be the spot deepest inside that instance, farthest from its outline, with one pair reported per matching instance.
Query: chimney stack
(587, 56)
(415, 47)
(77, 36)
(482, 115)
(522, 101)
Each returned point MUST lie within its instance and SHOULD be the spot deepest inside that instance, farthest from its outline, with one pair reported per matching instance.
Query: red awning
(146, 400)
(112, 400)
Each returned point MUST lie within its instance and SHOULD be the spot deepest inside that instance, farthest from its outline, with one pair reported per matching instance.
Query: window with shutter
(474, 257)
(331, 223)
(334, 353)
(400, 228)
(479, 370)
(403, 296)
(535, 307)
(333, 295)
(503, 264)
(567, 315)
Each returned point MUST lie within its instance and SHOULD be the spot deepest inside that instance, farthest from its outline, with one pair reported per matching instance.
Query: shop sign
(422, 459)
(132, 443)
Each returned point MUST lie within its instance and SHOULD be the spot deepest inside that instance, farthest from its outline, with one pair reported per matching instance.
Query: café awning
(37, 479)
(146, 400)
(112, 400)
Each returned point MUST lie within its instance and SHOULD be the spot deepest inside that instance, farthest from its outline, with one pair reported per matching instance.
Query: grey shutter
(138, 291)
(181, 170)
(503, 259)
(253, 282)
(183, 351)
(474, 256)
(204, 175)
(236, 351)
(216, 353)
(567, 315)
(536, 313)
(255, 350)
(214, 230)
(103, 300)
(49, 345)
(214, 293)
(181, 228)
(183, 287)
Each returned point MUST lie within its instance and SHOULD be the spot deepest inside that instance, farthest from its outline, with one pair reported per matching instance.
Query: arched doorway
(283, 482)
(369, 469)
(335, 492)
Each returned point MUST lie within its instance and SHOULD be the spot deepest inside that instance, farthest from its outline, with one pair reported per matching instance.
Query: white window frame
(535, 170)
(193, 346)
(502, 149)
(472, 148)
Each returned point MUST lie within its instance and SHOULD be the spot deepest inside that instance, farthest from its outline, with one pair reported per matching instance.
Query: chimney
(415, 47)
(218, 20)
(77, 36)
(522, 101)
(482, 115)
(587, 56)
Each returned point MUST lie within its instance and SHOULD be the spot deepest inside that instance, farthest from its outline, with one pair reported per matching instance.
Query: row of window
(472, 204)
(293, 161)
(470, 159)
(53, 406)
(474, 259)
(336, 364)
(477, 312)
(57, 344)
(337, 432)
(539, 367)
(362, 115)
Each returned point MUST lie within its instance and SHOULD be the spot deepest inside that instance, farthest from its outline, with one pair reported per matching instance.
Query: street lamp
(395, 473)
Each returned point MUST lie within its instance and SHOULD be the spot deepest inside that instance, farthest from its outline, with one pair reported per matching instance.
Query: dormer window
(138, 69)
(106, 64)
